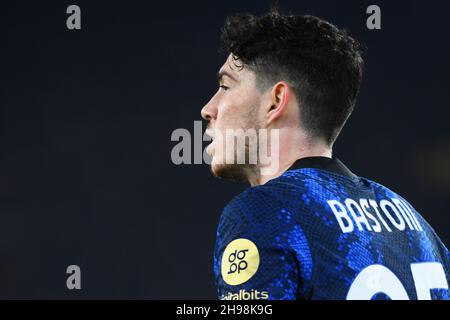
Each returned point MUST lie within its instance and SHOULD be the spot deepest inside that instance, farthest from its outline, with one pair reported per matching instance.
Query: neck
(288, 155)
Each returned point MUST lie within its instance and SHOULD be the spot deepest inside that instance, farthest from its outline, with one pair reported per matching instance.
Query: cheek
(228, 112)
(234, 110)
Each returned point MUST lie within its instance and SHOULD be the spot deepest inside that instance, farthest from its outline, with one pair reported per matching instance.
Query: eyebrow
(223, 73)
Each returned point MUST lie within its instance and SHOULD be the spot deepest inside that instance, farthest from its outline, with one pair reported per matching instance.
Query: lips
(210, 133)
(210, 149)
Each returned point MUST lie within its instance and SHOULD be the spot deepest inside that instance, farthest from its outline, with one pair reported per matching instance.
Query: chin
(235, 172)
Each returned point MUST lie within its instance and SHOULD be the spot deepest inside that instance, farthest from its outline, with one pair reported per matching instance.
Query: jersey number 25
(379, 279)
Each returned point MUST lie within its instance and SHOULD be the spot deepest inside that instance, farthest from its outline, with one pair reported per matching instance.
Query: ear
(279, 99)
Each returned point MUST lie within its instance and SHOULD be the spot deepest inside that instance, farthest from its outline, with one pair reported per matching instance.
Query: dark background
(86, 176)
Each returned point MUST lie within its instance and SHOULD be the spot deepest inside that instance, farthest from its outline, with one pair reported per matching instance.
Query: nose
(205, 114)
(209, 112)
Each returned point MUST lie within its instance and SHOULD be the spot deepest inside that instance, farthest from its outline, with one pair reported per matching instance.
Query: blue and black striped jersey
(321, 232)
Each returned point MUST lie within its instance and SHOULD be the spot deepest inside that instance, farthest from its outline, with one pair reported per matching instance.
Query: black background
(86, 176)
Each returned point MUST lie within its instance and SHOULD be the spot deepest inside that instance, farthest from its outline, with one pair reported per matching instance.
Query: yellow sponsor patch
(240, 261)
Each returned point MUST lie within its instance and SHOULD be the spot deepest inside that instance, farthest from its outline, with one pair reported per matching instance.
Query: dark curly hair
(320, 61)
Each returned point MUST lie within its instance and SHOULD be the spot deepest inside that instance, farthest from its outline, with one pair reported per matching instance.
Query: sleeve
(254, 258)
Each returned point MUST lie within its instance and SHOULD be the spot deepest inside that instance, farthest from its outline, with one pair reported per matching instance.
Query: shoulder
(385, 192)
(272, 207)
(265, 199)
(248, 206)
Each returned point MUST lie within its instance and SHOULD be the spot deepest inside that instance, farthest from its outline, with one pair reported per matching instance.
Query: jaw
(235, 172)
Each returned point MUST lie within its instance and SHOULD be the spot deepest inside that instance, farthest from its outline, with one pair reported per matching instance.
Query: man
(310, 229)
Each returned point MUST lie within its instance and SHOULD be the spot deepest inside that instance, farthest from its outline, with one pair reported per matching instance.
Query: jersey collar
(323, 163)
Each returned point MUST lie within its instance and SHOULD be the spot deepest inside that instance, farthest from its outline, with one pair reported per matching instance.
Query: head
(294, 73)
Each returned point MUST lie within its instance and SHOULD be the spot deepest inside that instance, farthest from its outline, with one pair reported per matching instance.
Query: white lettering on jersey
(368, 215)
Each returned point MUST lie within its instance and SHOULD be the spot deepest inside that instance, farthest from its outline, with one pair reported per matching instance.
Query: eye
(225, 88)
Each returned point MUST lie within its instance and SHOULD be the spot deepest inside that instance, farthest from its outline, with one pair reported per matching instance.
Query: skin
(240, 104)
